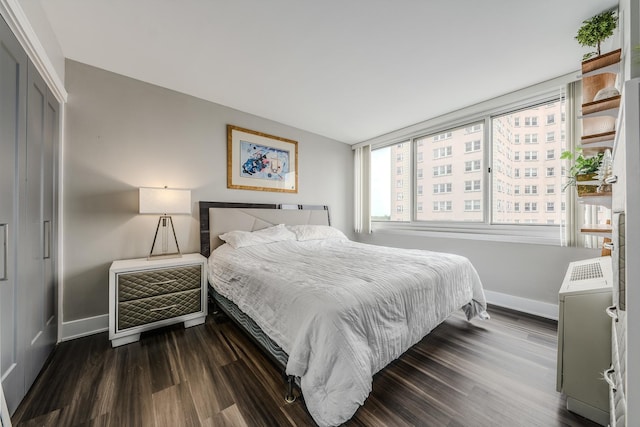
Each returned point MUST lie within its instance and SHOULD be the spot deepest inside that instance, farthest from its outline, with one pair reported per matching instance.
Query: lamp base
(164, 223)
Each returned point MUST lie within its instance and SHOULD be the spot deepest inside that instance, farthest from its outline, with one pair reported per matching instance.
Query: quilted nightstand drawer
(144, 284)
(147, 294)
(148, 310)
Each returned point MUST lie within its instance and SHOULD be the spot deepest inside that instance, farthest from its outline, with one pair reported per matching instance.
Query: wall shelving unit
(599, 123)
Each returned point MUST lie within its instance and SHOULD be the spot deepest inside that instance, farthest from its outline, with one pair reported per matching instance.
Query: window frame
(485, 112)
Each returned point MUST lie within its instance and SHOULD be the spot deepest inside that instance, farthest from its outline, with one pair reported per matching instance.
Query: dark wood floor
(499, 372)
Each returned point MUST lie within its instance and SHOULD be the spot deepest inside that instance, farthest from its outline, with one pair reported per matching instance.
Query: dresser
(147, 294)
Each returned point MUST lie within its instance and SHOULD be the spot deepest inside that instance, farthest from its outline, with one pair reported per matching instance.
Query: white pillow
(316, 232)
(240, 239)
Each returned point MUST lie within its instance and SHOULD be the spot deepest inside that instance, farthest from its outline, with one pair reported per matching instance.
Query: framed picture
(257, 161)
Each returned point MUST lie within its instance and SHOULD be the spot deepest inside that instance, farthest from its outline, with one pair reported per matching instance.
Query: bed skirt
(277, 354)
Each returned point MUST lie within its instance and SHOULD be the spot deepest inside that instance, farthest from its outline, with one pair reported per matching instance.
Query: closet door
(13, 78)
(37, 280)
(49, 219)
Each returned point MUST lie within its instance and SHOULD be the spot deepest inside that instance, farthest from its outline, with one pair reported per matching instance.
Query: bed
(329, 311)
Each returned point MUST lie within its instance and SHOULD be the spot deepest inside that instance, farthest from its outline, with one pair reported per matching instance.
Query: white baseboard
(93, 325)
(537, 308)
(83, 327)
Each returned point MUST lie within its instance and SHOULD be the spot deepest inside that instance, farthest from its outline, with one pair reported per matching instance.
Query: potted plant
(595, 30)
(583, 169)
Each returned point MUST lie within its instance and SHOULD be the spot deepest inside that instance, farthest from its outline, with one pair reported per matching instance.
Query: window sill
(529, 234)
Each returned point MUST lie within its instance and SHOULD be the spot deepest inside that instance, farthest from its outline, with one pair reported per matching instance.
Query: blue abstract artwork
(262, 162)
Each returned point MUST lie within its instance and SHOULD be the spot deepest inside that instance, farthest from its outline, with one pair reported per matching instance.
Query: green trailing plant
(595, 30)
(581, 165)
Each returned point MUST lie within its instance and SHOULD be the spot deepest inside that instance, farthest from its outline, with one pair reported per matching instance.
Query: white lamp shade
(165, 201)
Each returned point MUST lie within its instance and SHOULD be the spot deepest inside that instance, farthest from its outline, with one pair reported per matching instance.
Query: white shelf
(600, 199)
(611, 112)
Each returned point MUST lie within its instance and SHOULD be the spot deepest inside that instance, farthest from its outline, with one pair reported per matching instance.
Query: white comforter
(343, 310)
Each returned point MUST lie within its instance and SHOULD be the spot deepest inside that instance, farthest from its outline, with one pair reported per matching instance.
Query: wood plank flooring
(499, 372)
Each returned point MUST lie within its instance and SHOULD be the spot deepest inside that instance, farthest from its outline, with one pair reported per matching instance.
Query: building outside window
(456, 163)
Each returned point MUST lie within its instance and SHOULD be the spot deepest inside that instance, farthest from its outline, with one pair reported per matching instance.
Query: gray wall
(122, 134)
(530, 271)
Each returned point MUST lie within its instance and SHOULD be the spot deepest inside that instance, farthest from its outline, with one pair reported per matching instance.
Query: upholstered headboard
(217, 218)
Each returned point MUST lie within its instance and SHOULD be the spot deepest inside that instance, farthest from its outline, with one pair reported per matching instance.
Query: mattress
(343, 310)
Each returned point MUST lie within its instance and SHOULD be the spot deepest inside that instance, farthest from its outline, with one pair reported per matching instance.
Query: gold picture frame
(261, 162)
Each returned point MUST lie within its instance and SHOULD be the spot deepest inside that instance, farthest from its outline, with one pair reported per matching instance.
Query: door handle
(5, 250)
(46, 239)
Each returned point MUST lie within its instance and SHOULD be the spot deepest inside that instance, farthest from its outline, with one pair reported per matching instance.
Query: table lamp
(164, 202)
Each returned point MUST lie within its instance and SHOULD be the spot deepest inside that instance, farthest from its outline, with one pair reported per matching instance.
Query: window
(442, 152)
(442, 170)
(447, 175)
(530, 189)
(399, 208)
(442, 206)
(531, 121)
(444, 187)
(473, 185)
(389, 191)
(444, 177)
(472, 205)
(475, 128)
(472, 146)
(551, 136)
(442, 136)
(399, 157)
(472, 166)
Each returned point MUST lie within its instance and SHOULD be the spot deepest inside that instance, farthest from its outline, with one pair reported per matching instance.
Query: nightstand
(147, 294)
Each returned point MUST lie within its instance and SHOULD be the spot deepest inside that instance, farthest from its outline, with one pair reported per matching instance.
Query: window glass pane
(391, 183)
(452, 176)
(527, 195)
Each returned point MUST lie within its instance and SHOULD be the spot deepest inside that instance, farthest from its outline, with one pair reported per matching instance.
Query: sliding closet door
(35, 287)
(13, 78)
(49, 219)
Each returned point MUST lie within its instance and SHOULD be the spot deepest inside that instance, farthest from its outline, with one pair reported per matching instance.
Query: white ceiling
(346, 69)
